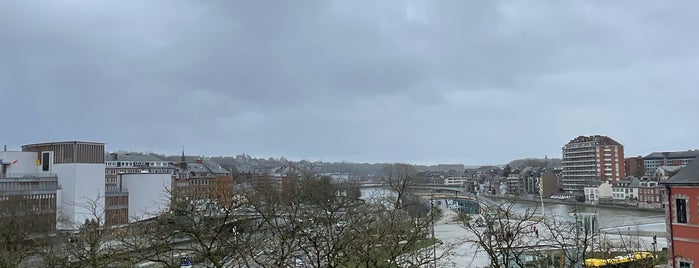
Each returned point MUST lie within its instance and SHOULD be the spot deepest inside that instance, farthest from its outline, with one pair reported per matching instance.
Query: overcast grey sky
(470, 82)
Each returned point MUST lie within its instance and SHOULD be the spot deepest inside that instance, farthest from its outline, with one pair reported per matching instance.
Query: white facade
(81, 186)
(149, 194)
(591, 194)
(603, 191)
(625, 193)
(19, 163)
(82, 195)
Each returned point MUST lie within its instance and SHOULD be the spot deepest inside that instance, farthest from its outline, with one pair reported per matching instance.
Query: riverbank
(575, 203)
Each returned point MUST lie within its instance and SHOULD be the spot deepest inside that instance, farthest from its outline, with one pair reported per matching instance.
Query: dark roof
(598, 139)
(61, 143)
(680, 154)
(686, 175)
(214, 167)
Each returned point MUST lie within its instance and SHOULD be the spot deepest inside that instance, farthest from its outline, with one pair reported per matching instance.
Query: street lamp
(434, 246)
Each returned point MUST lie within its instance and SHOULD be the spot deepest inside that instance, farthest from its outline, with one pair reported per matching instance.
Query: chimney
(4, 149)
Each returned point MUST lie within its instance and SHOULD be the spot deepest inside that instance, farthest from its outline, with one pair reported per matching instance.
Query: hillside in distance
(536, 162)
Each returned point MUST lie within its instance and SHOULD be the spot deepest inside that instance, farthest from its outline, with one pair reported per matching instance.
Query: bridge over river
(612, 220)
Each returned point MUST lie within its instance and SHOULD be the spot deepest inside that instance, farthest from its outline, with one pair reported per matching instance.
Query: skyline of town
(194, 152)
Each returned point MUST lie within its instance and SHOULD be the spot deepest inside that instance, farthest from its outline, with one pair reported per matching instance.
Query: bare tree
(94, 244)
(394, 230)
(400, 178)
(203, 225)
(327, 207)
(574, 237)
(23, 229)
(279, 222)
(504, 234)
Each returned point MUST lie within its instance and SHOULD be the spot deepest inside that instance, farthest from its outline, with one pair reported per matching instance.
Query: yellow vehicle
(637, 259)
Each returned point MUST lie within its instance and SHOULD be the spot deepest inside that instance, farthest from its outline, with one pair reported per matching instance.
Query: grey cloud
(360, 81)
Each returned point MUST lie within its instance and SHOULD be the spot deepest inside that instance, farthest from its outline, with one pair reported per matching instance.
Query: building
(457, 180)
(657, 159)
(64, 179)
(549, 182)
(529, 178)
(205, 180)
(650, 194)
(626, 189)
(591, 158)
(148, 195)
(634, 166)
(664, 172)
(682, 216)
(600, 192)
(124, 201)
(26, 192)
(79, 167)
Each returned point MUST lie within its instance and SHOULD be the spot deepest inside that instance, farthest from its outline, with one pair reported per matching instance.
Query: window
(684, 264)
(45, 158)
(681, 206)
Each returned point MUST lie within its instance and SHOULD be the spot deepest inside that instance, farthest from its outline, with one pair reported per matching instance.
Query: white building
(79, 167)
(149, 194)
(594, 194)
(626, 189)
(455, 180)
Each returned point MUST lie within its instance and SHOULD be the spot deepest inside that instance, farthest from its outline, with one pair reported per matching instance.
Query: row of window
(28, 186)
(132, 164)
(133, 171)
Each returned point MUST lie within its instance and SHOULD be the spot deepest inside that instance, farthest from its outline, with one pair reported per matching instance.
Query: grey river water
(626, 219)
(609, 218)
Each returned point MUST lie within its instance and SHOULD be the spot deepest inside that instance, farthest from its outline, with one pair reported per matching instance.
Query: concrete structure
(683, 216)
(26, 192)
(79, 167)
(148, 195)
(64, 179)
(591, 158)
(679, 158)
(121, 204)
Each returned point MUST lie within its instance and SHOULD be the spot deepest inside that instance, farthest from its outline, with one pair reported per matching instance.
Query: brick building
(587, 159)
(682, 216)
(634, 166)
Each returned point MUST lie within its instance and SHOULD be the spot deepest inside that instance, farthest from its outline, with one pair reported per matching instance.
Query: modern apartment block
(657, 159)
(587, 159)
